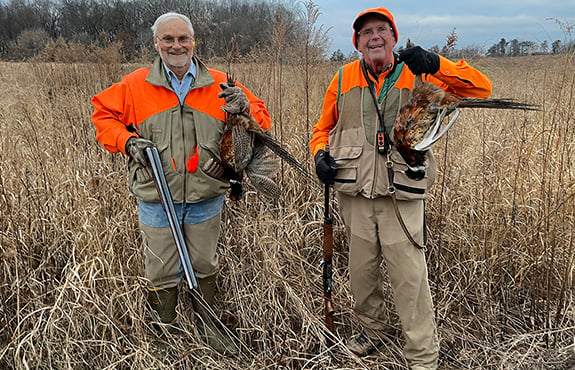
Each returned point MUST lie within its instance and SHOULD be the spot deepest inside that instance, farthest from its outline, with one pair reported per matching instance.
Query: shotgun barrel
(168, 204)
(208, 316)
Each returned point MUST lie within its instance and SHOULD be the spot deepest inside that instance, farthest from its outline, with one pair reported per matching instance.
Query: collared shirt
(182, 88)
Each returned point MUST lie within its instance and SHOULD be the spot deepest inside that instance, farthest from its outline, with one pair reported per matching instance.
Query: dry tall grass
(501, 220)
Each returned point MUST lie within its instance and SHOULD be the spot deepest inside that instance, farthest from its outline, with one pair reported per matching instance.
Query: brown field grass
(501, 222)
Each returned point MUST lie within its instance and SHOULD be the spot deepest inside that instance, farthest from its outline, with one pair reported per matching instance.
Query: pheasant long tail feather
(496, 103)
(272, 144)
(283, 153)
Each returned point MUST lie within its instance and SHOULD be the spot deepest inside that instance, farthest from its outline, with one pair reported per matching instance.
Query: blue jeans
(200, 230)
(153, 214)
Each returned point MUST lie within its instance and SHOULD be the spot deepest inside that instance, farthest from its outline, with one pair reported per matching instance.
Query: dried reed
(501, 220)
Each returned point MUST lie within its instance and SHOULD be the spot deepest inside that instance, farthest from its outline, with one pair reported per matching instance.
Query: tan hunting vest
(361, 168)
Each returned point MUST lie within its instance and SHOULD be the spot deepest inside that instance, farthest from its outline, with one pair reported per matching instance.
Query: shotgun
(327, 261)
(202, 308)
(168, 204)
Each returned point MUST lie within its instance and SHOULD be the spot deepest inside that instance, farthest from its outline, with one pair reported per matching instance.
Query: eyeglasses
(381, 30)
(182, 40)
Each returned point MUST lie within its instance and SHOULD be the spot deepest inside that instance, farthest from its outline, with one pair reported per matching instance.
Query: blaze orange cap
(358, 22)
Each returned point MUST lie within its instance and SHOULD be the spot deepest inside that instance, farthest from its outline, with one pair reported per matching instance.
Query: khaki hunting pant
(376, 235)
(162, 266)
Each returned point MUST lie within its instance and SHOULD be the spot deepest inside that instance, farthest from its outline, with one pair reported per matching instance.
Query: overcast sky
(476, 23)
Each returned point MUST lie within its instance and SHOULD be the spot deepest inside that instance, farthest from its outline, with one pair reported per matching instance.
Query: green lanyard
(388, 83)
(382, 140)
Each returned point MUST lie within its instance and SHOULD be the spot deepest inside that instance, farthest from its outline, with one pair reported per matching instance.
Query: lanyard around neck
(383, 141)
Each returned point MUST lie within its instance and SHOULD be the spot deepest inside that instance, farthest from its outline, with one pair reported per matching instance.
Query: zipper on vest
(184, 179)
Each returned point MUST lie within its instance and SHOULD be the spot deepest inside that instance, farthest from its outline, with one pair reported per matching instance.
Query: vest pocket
(347, 160)
(407, 188)
(147, 191)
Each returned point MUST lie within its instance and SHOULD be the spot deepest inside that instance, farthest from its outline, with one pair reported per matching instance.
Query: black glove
(236, 100)
(419, 60)
(325, 167)
(136, 148)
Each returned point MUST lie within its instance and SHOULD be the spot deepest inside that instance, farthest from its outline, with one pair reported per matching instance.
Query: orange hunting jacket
(144, 104)
(349, 124)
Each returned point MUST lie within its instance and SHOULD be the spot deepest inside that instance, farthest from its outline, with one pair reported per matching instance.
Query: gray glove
(236, 100)
(136, 148)
(213, 168)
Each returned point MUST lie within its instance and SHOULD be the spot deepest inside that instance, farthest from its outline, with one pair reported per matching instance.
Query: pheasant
(418, 125)
(246, 147)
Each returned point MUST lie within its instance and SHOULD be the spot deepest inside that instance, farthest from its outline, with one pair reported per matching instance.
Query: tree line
(119, 30)
(503, 48)
(518, 48)
(230, 28)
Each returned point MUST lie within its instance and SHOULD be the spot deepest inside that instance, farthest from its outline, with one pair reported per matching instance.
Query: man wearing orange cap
(359, 110)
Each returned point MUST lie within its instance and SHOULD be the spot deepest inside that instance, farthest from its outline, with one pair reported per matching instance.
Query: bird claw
(431, 136)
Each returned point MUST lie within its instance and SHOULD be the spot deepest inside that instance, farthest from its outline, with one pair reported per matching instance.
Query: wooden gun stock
(327, 274)
(327, 262)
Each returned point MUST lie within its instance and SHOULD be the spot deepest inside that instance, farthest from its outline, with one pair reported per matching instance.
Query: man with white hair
(177, 105)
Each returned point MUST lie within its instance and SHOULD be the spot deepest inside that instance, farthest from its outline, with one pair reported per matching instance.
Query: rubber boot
(164, 302)
(218, 339)
(208, 289)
